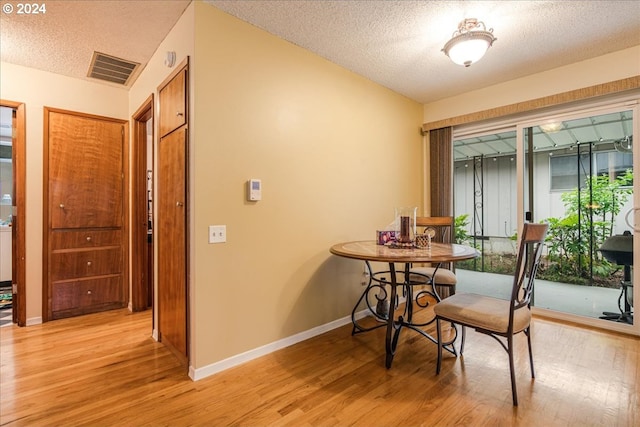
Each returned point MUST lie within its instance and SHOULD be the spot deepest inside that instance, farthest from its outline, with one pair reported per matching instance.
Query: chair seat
(479, 311)
(443, 277)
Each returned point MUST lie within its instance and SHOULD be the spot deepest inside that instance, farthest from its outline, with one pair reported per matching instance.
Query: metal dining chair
(442, 228)
(498, 318)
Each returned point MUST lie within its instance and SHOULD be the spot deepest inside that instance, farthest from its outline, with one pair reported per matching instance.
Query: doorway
(574, 171)
(12, 213)
(142, 294)
(579, 178)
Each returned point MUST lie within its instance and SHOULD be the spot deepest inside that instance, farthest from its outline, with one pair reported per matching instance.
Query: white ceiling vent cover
(111, 69)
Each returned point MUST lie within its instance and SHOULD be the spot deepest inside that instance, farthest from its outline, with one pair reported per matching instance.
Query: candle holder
(405, 225)
(423, 241)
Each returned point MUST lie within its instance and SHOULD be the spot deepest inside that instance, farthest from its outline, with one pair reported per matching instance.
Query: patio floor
(589, 301)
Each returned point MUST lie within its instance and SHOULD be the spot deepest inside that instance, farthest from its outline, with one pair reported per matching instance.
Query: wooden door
(173, 103)
(85, 172)
(85, 262)
(172, 242)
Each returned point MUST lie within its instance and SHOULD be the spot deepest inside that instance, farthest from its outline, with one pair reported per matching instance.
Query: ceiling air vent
(111, 69)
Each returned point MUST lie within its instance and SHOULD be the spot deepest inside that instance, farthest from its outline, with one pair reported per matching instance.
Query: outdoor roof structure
(613, 131)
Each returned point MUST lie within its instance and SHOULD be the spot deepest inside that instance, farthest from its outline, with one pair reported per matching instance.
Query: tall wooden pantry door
(84, 266)
(172, 214)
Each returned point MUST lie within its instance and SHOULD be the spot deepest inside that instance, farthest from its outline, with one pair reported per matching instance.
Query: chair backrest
(529, 255)
(443, 226)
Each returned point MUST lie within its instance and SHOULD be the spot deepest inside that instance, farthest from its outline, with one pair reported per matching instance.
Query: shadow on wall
(327, 286)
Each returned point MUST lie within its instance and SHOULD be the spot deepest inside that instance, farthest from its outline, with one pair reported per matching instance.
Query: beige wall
(38, 89)
(335, 152)
(180, 41)
(603, 69)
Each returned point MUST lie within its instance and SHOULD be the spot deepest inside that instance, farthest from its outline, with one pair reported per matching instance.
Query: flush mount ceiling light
(469, 43)
(551, 127)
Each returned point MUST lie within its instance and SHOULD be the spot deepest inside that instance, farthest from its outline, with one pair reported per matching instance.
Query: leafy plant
(590, 215)
(460, 224)
(600, 200)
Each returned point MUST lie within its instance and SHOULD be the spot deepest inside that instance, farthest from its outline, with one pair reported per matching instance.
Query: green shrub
(573, 241)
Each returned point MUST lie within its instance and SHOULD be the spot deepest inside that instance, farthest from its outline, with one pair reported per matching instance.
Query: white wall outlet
(217, 233)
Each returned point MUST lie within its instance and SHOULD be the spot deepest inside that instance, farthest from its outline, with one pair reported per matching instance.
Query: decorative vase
(406, 225)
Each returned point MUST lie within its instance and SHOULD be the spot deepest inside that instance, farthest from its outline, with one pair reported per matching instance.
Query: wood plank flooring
(105, 370)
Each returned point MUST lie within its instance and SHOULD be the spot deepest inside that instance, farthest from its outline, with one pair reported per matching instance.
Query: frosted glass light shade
(469, 44)
(468, 51)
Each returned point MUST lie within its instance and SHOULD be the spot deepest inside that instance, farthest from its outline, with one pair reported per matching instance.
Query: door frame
(139, 206)
(18, 235)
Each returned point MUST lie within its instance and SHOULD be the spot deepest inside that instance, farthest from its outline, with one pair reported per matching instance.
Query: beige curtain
(440, 170)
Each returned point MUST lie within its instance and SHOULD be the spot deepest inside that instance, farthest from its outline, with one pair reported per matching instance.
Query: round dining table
(369, 251)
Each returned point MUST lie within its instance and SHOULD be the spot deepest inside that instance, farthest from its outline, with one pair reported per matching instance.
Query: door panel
(85, 165)
(485, 189)
(580, 181)
(172, 240)
(173, 104)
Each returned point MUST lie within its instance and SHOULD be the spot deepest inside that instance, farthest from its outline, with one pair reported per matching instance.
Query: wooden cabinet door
(85, 171)
(85, 235)
(172, 242)
(173, 103)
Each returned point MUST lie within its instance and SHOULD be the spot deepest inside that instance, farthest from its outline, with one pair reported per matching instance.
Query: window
(614, 163)
(565, 174)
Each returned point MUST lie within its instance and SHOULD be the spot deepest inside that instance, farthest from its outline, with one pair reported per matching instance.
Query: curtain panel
(440, 170)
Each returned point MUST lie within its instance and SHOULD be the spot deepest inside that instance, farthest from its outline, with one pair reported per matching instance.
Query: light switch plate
(217, 233)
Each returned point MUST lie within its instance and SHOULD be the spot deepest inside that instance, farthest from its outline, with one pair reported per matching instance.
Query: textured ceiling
(394, 43)
(62, 40)
(398, 43)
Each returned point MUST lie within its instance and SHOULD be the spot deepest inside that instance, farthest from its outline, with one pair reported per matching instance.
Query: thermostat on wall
(254, 190)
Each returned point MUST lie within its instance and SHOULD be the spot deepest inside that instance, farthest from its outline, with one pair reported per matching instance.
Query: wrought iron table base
(378, 282)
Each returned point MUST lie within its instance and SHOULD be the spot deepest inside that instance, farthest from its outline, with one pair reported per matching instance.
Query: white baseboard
(34, 321)
(154, 334)
(214, 368)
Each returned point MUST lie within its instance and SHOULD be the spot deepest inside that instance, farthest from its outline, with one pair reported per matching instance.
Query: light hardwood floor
(104, 369)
